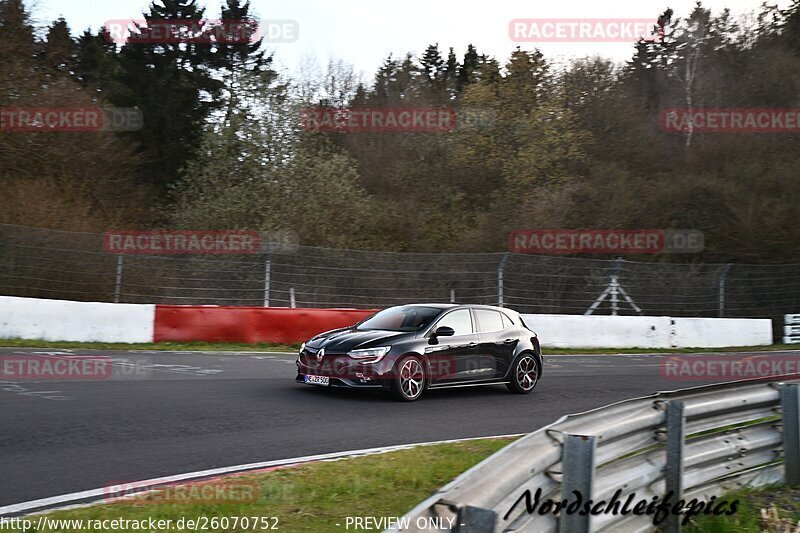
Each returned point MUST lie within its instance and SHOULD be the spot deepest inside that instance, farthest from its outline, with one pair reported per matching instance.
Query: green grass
(777, 499)
(270, 347)
(567, 351)
(177, 346)
(316, 496)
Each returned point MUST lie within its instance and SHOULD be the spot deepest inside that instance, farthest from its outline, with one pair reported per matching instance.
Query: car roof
(450, 306)
(436, 305)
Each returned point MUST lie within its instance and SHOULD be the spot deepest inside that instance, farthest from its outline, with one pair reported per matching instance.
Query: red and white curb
(101, 495)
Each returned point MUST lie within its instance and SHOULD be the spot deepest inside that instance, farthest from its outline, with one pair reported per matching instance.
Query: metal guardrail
(791, 329)
(698, 442)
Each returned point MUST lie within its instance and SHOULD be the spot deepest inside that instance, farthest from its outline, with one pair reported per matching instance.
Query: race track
(165, 413)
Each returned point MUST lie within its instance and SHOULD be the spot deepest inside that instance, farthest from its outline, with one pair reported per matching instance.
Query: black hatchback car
(410, 348)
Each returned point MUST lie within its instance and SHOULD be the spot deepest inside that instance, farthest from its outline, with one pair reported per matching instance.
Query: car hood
(342, 340)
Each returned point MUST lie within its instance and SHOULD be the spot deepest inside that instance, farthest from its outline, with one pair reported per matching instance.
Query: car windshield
(402, 318)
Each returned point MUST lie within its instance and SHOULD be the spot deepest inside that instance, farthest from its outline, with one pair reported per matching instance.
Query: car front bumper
(344, 371)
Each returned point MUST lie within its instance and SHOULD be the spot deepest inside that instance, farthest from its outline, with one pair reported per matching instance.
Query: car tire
(524, 374)
(408, 382)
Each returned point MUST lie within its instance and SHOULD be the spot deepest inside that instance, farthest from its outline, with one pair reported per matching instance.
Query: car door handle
(472, 345)
(437, 348)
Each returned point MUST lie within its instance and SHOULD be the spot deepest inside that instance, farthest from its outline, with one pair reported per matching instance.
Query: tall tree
(97, 63)
(17, 50)
(172, 82)
(234, 54)
(59, 48)
(468, 66)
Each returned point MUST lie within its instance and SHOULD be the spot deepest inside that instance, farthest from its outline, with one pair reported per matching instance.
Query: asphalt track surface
(166, 413)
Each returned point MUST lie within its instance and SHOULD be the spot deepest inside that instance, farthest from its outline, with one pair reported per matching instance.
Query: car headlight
(375, 354)
(302, 347)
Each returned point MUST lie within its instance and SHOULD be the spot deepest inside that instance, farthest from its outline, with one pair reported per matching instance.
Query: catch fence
(43, 263)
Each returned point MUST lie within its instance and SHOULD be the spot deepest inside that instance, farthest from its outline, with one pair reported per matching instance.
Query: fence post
(118, 278)
(577, 461)
(721, 288)
(673, 470)
(267, 269)
(500, 267)
(790, 407)
(291, 297)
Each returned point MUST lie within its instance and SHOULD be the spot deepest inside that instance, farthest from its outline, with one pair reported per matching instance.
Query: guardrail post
(673, 471)
(475, 520)
(577, 461)
(790, 407)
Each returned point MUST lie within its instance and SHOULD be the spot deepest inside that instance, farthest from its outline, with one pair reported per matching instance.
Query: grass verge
(311, 497)
(581, 351)
(164, 346)
(773, 508)
(270, 347)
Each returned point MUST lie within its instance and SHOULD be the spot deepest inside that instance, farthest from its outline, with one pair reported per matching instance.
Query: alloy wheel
(412, 378)
(527, 373)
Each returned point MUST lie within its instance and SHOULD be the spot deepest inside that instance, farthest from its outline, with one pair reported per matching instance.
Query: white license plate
(318, 380)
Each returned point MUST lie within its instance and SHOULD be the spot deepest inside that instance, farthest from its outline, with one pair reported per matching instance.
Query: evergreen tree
(432, 63)
(17, 51)
(468, 67)
(238, 61)
(451, 74)
(97, 63)
(172, 83)
(59, 48)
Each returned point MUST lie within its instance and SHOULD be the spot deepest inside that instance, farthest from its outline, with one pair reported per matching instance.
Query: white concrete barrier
(64, 320)
(717, 332)
(598, 331)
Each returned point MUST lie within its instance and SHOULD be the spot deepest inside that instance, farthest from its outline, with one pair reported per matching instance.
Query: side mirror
(444, 331)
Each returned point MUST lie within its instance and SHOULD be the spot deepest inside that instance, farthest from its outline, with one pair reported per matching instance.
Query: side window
(489, 320)
(459, 321)
(507, 323)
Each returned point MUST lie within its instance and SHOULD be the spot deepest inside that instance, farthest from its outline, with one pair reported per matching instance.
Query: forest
(570, 144)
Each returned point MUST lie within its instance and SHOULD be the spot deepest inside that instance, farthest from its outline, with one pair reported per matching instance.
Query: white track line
(55, 502)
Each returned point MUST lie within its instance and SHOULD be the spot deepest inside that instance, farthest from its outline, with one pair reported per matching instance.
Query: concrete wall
(577, 331)
(64, 320)
(597, 331)
(715, 332)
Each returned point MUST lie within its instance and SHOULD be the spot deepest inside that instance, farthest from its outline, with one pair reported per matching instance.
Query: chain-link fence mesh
(44, 263)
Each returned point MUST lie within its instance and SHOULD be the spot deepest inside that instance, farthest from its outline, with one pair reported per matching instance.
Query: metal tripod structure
(612, 291)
